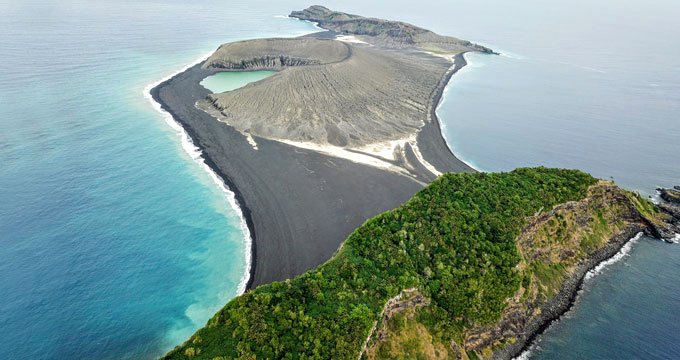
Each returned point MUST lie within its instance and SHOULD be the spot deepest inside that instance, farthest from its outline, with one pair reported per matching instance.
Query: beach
(299, 204)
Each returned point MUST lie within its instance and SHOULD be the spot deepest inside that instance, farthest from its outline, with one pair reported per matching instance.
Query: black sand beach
(299, 204)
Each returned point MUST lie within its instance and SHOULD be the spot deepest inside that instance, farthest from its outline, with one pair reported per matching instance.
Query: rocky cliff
(275, 54)
(668, 226)
(558, 247)
(473, 266)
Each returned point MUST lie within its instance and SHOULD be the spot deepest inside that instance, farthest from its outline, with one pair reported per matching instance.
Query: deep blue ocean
(116, 243)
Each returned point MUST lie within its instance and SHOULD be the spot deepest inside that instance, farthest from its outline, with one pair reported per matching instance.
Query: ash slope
(329, 92)
(300, 204)
(372, 95)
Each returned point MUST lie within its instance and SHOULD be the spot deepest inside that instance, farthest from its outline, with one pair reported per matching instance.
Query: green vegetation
(549, 276)
(551, 246)
(644, 206)
(454, 241)
(407, 338)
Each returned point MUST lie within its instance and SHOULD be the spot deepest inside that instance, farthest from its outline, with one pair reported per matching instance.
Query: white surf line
(197, 155)
(316, 24)
(511, 55)
(622, 253)
(525, 355)
(625, 250)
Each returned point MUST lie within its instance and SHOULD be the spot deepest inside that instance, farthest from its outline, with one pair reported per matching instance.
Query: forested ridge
(454, 241)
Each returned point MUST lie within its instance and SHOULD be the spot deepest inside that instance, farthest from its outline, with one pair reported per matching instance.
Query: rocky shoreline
(566, 298)
(563, 302)
(670, 205)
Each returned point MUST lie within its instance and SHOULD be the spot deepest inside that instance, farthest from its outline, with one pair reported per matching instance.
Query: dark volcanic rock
(670, 206)
(387, 33)
(670, 195)
(671, 210)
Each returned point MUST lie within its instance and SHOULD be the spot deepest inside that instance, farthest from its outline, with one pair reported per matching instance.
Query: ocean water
(588, 86)
(627, 311)
(116, 243)
(594, 86)
(228, 81)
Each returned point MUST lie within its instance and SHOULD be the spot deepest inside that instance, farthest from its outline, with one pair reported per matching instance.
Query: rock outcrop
(669, 226)
(275, 54)
(559, 247)
(386, 33)
(671, 195)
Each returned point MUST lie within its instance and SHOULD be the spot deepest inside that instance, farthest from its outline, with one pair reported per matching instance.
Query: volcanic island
(370, 239)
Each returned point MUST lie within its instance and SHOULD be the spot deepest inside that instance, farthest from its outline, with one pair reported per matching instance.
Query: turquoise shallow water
(228, 81)
(115, 243)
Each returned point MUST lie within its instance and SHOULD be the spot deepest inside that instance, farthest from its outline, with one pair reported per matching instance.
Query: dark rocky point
(384, 32)
(670, 207)
(670, 195)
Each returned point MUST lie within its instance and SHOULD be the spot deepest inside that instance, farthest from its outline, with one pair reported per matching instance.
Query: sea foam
(197, 155)
(625, 250)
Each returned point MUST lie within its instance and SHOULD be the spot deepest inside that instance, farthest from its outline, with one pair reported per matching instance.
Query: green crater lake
(232, 80)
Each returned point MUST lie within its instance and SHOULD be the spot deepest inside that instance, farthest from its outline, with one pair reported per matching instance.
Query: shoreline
(568, 295)
(234, 198)
(555, 309)
(459, 63)
(464, 62)
(444, 162)
(242, 198)
(433, 127)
